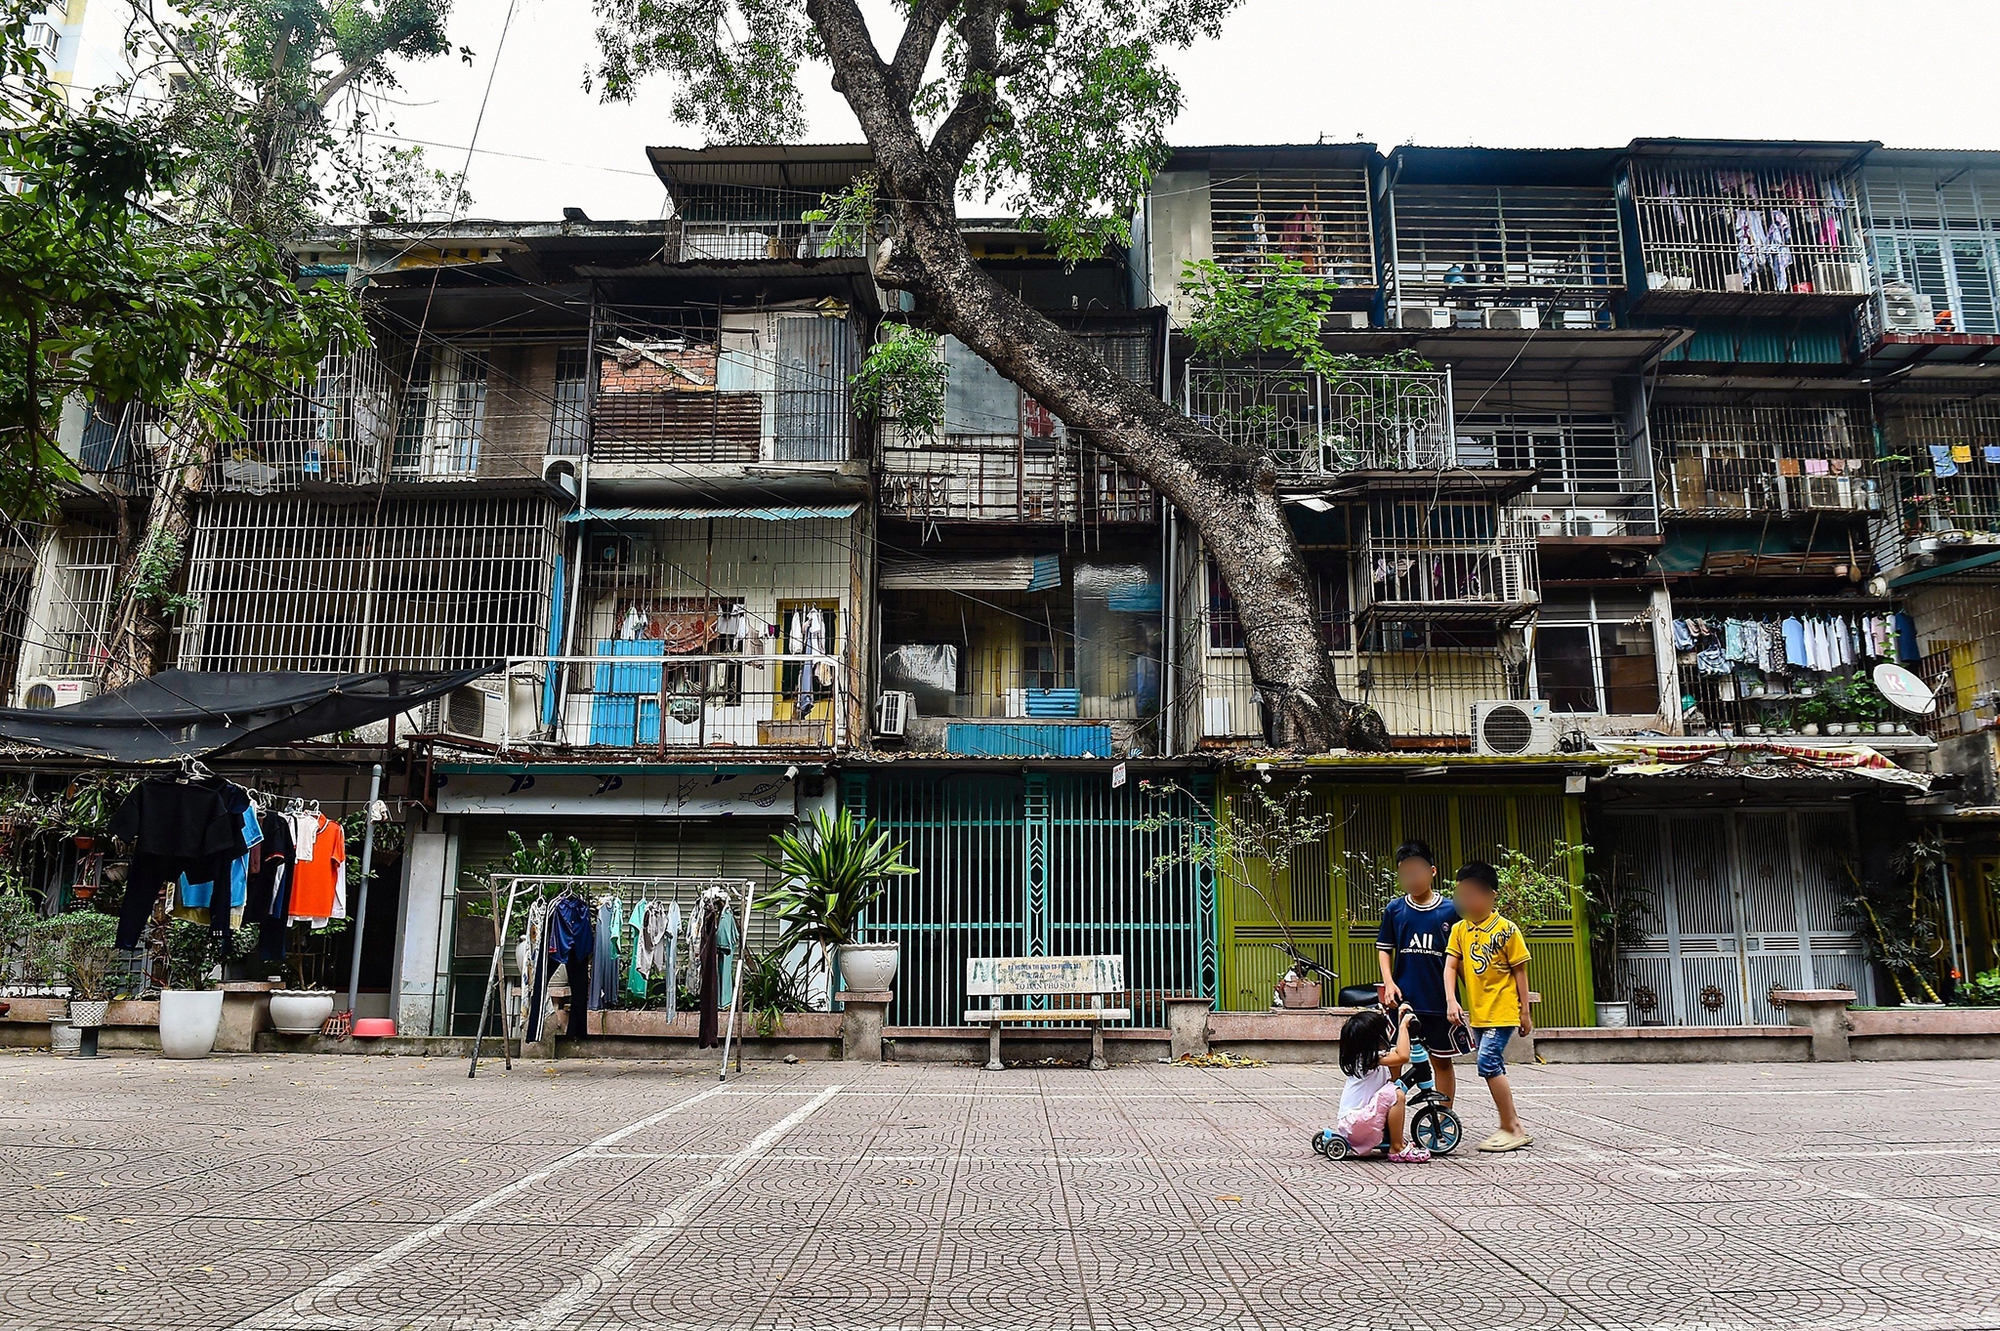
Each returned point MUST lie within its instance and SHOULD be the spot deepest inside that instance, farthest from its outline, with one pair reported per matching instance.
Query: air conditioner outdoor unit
(1513, 316)
(893, 710)
(1905, 310)
(1347, 321)
(56, 691)
(1423, 316)
(1840, 278)
(1504, 728)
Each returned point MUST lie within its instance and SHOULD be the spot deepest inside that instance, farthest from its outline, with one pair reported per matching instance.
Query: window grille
(1554, 248)
(1723, 460)
(75, 638)
(1711, 226)
(569, 421)
(1320, 220)
(1594, 481)
(1319, 426)
(429, 583)
(332, 429)
(1945, 473)
(1448, 562)
(1958, 628)
(1935, 233)
(443, 419)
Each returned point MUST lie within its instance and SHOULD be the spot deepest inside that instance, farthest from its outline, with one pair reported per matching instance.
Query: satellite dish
(1905, 689)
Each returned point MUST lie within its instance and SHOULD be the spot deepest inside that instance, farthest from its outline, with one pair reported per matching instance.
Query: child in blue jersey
(1410, 946)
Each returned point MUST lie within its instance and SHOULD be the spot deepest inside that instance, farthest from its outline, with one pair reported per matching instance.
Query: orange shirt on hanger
(316, 882)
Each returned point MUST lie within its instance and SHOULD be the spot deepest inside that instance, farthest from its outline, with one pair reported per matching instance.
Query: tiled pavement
(282, 1193)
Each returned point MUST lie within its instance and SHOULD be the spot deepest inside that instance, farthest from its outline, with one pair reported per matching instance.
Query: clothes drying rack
(687, 892)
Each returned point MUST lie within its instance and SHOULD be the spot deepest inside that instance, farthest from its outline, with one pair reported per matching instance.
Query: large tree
(1061, 108)
(103, 297)
(269, 105)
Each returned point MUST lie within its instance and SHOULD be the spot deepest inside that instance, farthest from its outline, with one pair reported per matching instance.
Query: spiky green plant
(829, 872)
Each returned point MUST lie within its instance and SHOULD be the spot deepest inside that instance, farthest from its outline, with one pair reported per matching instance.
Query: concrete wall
(1178, 232)
(426, 869)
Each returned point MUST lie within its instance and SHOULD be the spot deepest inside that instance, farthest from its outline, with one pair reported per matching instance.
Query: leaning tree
(1060, 107)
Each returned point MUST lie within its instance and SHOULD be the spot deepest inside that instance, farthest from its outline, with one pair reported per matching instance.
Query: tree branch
(972, 115)
(913, 52)
(865, 82)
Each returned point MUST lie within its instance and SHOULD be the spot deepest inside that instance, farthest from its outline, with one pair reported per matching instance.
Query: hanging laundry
(604, 957)
(1778, 249)
(1906, 639)
(671, 960)
(709, 963)
(571, 942)
(175, 826)
(319, 884)
(1794, 631)
(727, 938)
(1941, 461)
(1683, 640)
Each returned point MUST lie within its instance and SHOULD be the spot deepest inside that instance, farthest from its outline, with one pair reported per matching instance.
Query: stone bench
(997, 978)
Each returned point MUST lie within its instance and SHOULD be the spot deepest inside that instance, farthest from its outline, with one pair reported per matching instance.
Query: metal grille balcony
(337, 429)
(1593, 479)
(1448, 563)
(1944, 475)
(1320, 427)
(1319, 220)
(1726, 460)
(1727, 228)
(647, 698)
(1551, 248)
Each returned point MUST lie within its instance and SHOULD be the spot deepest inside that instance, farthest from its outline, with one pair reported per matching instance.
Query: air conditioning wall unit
(1905, 310)
(1347, 321)
(1513, 316)
(1511, 728)
(1423, 316)
(893, 710)
(56, 691)
(468, 711)
(1848, 279)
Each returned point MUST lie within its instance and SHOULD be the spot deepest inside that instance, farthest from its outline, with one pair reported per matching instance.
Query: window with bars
(1946, 473)
(443, 416)
(1720, 459)
(1593, 481)
(569, 419)
(75, 638)
(1715, 226)
(1329, 588)
(305, 583)
(1319, 219)
(1485, 245)
(1935, 234)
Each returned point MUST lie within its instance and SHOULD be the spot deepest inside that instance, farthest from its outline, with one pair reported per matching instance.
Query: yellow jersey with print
(1488, 954)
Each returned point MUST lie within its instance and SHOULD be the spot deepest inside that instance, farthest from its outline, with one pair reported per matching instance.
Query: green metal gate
(1038, 865)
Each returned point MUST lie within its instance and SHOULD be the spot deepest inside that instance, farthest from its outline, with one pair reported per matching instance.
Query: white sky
(1525, 73)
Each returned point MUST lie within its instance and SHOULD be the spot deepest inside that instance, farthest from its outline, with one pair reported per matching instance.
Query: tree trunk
(1229, 491)
(141, 634)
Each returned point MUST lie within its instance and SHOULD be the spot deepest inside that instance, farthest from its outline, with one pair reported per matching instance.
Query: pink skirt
(1363, 1128)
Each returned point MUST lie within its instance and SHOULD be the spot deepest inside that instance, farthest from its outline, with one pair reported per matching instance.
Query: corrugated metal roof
(795, 513)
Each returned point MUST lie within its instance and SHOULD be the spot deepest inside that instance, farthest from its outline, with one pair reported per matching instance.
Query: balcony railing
(1422, 679)
(1721, 461)
(1316, 219)
(1592, 480)
(1727, 228)
(646, 699)
(1553, 249)
(1944, 476)
(1320, 427)
(674, 402)
(1454, 563)
(1005, 478)
(763, 240)
(336, 429)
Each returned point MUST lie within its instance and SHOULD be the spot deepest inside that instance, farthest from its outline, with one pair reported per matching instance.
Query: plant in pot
(78, 948)
(302, 1007)
(1811, 714)
(829, 873)
(191, 1004)
(1619, 910)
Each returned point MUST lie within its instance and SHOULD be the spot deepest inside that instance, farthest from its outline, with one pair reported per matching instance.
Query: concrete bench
(997, 978)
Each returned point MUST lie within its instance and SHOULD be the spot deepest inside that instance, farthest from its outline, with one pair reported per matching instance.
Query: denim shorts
(1492, 1045)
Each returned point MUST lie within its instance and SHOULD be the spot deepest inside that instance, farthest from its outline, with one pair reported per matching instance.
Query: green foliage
(546, 858)
(851, 211)
(193, 953)
(19, 914)
(771, 990)
(111, 291)
(156, 570)
(1058, 108)
(1277, 309)
(1250, 841)
(78, 948)
(1901, 910)
(310, 960)
(903, 379)
(1535, 892)
(829, 873)
(1982, 990)
(1619, 909)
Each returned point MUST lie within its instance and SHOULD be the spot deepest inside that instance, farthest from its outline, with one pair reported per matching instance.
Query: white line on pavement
(668, 1220)
(299, 1306)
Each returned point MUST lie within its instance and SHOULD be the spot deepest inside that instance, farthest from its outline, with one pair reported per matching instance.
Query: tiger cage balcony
(1447, 562)
(1733, 234)
(1734, 459)
(1317, 218)
(1329, 429)
(1943, 476)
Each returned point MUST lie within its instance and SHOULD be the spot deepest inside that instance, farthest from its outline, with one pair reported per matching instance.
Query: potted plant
(304, 1005)
(78, 948)
(829, 873)
(1618, 908)
(191, 1004)
(1811, 713)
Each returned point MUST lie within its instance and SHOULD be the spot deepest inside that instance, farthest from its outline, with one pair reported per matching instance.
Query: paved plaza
(378, 1193)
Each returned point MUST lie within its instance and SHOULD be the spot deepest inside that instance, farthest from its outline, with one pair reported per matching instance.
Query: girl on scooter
(1372, 1102)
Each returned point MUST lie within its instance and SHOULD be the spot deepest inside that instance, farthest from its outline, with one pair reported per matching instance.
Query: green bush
(1982, 990)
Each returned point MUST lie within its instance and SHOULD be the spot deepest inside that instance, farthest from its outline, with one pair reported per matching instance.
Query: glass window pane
(1631, 684)
(1563, 671)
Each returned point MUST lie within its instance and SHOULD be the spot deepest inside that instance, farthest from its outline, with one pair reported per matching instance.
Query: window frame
(1595, 620)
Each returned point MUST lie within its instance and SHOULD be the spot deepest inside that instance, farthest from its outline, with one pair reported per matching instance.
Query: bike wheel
(1436, 1130)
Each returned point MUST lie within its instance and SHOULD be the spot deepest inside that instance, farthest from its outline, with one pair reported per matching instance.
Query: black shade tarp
(194, 713)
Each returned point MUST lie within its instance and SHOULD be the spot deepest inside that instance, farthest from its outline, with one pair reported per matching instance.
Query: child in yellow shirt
(1488, 956)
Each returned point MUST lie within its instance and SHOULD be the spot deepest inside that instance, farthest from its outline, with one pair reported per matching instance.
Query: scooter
(1428, 1117)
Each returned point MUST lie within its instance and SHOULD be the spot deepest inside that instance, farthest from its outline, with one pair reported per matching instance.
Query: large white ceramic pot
(189, 1020)
(868, 965)
(300, 1011)
(1614, 1016)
